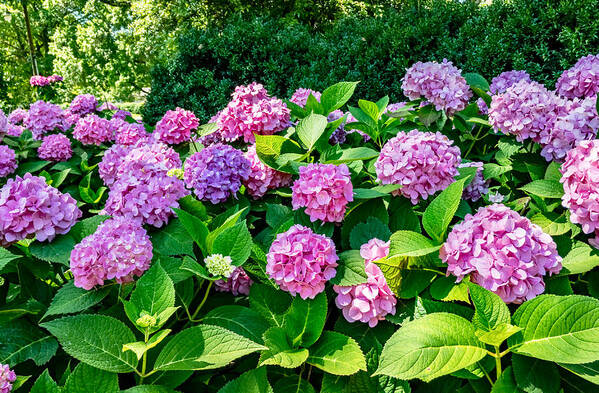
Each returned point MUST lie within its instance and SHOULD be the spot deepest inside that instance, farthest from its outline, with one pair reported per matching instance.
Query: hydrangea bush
(320, 243)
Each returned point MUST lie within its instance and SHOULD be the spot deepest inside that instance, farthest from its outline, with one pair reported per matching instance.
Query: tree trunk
(30, 38)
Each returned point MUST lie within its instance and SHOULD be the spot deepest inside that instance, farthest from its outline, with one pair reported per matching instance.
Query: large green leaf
(58, 250)
(70, 299)
(96, 340)
(365, 231)
(310, 128)
(491, 311)
(270, 303)
(558, 328)
(404, 276)
(22, 341)
(5, 257)
(241, 320)
(85, 379)
(544, 188)
(204, 347)
(335, 353)
(351, 269)
(172, 240)
(588, 371)
(535, 375)
(293, 384)
(581, 259)
(253, 381)
(236, 242)
(335, 96)
(280, 351)
(305, 319)
(194, 226)
(45, 384)
(440, 212)
(431, 346)
(411, 244)
(272, 150)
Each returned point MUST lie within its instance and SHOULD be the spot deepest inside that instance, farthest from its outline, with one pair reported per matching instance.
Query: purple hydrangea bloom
(130, 133)
(18, 116)
(8, 161)
(324, 190)
(421, 162)
(39, 81)
(175, 126)
(339, 135)
(500, 84)
(107, 106)
(93, 130)
(372, 301)
(395, 107)
(580, 81)
(13, 130)
(301, 261)
(478, 186)
(44, 117)
(55, 147)
(300, 96)
(263, 178)
(29, 206)
(55, 78)
(7, 377)
(441, 84)
(503, 252)
(238, 283)
(108, 167)
(3, 122)
(83, 104)
(119, 249)
(216, 172)
(121, 114)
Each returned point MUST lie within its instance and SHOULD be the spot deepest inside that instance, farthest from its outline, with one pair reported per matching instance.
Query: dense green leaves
(241, 320)
(70, 299)
(234, 241)
(544, 188)
(440, 212)
(22, 341)
(411, 244)
(281, 351)
(305, 319)
(253, 381)
(270, 303)
(58, 250)
(85, 379)
(351, 269)
(337, 354)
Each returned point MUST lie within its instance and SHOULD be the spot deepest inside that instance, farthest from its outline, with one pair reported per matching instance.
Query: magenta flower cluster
(324, 190)
(478, 186)
(18, 116)
(129, 133)
(422, 163)
(301, 261)
(108, 167)
(40, 81)
(8, 161)
(339, 135)
(44, 117)
(372, 301)
(263, 178)
(216, 172)
(580, 178)
(441, 84)
(29, 206)
(501, 83)
(83, 104)
(238, 283)
(252, 111)
(176, 126)
(119, 249)
(3, 122)
(93, 130)
(580, 81)
(7, 377)
(300, 96)
(55, 147)
(503, 252)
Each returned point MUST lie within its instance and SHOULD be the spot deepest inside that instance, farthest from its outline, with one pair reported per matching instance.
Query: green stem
(144, 360)
(497, 361)
(485, 372)
(192, 319)
(474, 141)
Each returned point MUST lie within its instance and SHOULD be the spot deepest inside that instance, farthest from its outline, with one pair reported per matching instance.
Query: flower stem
(497, 361)
(192, 319)
(144, 360)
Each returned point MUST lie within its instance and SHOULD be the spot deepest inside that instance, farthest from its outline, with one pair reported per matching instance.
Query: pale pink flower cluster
(500, 84)
(300, 96)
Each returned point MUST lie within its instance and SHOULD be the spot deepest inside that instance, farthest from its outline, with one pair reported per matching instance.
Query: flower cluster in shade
(300, 96)
(176, 126)
(3, 122)
(119, 249)
(582, 80)
(7, 377)
(219, 265)
(93, 130)
(29, 206)
(216, 172)
(478, 186)
(339, 135)
(83, 104)
(121, 114)
(441, 84)
(40, 81)
(129, 133)
(395, 107)
(503, 252)
(500, 84)
(238, 283)
(371, 301)
(580, 178)
(324, 190)
(55, 147)
(261, 177)
(422, 163)
(252, 111)
(301, 261)
(44, 117)
(8, 161)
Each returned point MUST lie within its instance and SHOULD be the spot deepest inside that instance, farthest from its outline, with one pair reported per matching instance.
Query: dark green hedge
(542, 37)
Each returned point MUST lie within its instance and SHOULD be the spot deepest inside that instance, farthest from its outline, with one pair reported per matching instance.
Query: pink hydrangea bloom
(119, 249)
(372, 301)
(7, 377)
(83, 104)
(580, 178)
(108, 167)
(478, 186)
(55, 147)
(251, 112)
(301, 261)
(18, 116)
(503, 252)
(130, 133)
(324, 190)
(8, 161)
(44, 117)
(500, 84)
(395, 107)
(421, 162)
(29, 206)
(39, 81)
(13, 130)
(3, 122)
(175, 126)
(107, 106)
(526, 110)
(93, 130)
(263, 178)
(582, 80)
(216, 172)
(300, 96)
(238, 283)
(442, 84)
(55, 78)
(121, 114)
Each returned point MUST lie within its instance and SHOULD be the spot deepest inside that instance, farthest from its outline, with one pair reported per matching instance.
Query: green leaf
(86, 227)
(6, 257)
(45, 384)
(22, 341)
(194, 207)
(588, 371)
(236, 242)
(534, 375)
(57, 251)
(230, 221)
(375, 192)
(31, 167)
(544, 188)
(509, 147)
(506, 383)
(498, 334)
(241, 320)
(70, 299)
(305, 319)
(476, 80)
(270, 303)
(411, 244)
(447, 290)
(440, 212)
(194, 226)
(405, 281)
(270, 148)
(204, 347)
(334, 97)
(558, 328)
(363, 232)
(351, 269)
(148, 389)
(293, 384)
(85, 379)
(371, 109)
(172, 240)
(429, 347)
(280, 352)
(194, 267)
(99, 341)
(141, 347)
(490, 312)
(551, 223)
(354, 154)
(581, 259)
(494, 171)
(337, 354)
(310, 129)
(253, 381)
